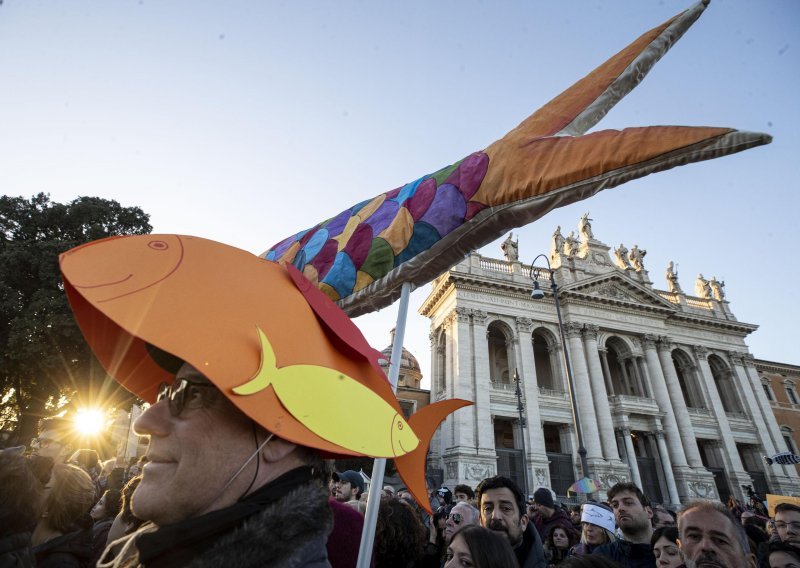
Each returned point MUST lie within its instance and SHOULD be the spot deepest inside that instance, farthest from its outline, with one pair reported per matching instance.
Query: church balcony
(503, 393)
(626, 404)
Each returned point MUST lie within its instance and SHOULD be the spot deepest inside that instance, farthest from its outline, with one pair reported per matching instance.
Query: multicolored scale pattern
(364, 243)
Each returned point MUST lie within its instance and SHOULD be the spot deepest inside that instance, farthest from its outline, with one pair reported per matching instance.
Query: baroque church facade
(667, 392)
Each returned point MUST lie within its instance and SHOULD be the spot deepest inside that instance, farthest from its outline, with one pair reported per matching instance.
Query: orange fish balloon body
(207, 303)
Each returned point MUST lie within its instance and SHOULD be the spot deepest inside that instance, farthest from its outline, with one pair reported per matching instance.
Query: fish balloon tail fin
(411, 466)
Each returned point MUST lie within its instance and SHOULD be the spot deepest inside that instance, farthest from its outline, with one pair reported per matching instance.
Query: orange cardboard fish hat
(275, 345)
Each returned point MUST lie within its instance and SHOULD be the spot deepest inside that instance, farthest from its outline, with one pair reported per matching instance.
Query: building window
(791, 394)
(768, 392)
(788, 439)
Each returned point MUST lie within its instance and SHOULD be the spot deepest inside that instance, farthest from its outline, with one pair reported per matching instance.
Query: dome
(408, 363)
(410, 371)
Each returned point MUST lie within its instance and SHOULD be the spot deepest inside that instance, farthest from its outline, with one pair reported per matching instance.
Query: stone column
(662, 396)
(583, 391)
(736, 473)
(607, 371)
(682, 418)
(599, 395)
(646, 382)
(666, 465)
(557, 365)
(630, 456)
(535, 436)
(750, 401)
(638, 380)
(749, 374)
(483, 412)
(626, 378)
(464, 380)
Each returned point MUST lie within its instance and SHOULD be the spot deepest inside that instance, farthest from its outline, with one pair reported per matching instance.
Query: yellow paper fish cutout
(314, 395)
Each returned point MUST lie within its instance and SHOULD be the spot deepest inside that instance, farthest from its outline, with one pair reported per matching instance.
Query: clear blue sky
(245, 122)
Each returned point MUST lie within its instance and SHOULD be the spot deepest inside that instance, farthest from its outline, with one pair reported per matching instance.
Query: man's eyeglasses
(182, 393)
(457, 518)
(44, 442)
(782, 526)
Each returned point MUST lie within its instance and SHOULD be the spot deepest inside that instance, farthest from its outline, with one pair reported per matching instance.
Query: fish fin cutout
(266, 368)
(343, 332)
(411, 467)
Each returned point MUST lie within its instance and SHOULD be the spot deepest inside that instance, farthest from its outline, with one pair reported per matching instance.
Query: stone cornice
(572, 295)
(762, 365)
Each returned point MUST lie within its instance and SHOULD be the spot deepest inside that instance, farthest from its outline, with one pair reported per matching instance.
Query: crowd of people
(235, 481)
(65, 508)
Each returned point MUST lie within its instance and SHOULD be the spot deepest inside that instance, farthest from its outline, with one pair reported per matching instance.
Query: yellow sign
(773, 500)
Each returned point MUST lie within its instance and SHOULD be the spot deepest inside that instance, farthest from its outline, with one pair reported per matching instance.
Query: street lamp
(522, 423)
(538, 294)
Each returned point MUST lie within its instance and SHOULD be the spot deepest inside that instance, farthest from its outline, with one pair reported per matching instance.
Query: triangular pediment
(615, 287)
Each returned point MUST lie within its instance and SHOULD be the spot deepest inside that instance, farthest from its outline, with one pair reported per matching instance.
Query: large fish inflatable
(273, 343)
(361, 257)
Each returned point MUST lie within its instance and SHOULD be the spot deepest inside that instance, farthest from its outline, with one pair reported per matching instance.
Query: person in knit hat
(547, 515)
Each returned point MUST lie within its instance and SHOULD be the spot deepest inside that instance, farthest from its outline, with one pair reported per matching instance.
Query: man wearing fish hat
(253, 376)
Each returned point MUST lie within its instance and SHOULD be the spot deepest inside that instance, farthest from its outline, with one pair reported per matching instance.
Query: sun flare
(89, 421)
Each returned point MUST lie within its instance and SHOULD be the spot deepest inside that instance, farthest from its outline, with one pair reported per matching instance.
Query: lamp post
(538, 294)
(521, 409)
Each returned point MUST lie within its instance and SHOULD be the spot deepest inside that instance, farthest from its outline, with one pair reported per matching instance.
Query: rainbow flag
(585, 485)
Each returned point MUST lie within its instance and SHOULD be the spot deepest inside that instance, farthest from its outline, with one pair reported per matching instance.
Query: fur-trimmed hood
(288, 533)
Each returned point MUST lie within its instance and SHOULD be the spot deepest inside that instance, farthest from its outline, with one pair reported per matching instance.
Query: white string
(245, 464)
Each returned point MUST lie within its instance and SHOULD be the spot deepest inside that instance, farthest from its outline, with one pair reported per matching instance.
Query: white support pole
(379, 466)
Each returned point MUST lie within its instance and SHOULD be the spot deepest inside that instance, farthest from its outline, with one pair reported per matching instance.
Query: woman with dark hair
(63, 535)
(557, 544)
(476, 546)
(435, 547)
(665, 548)
(103, 513)
(399, 535)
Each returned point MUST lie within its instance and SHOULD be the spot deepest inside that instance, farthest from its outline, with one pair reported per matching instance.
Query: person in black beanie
(547, 515)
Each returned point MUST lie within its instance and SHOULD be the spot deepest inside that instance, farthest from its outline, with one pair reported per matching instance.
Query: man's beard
(706, 557)
(499, 526)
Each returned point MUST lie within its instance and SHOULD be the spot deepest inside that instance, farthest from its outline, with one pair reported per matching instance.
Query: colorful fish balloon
(361, 257)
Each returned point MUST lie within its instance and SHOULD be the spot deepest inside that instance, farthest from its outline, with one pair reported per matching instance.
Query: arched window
(687, 378)
(725, 384)
(625, 378)
(500, 370)
(440, 363)
(543, 356)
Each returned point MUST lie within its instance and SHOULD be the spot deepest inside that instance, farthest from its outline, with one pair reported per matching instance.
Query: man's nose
(707, 543)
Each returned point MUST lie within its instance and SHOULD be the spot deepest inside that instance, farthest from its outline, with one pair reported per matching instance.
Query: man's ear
(649, 511)
(523, 521)
(277, 449)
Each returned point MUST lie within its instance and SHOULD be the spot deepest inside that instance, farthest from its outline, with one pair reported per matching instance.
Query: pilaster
(583, 391)
(735, 470)
(682, 419)
(599, 394)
